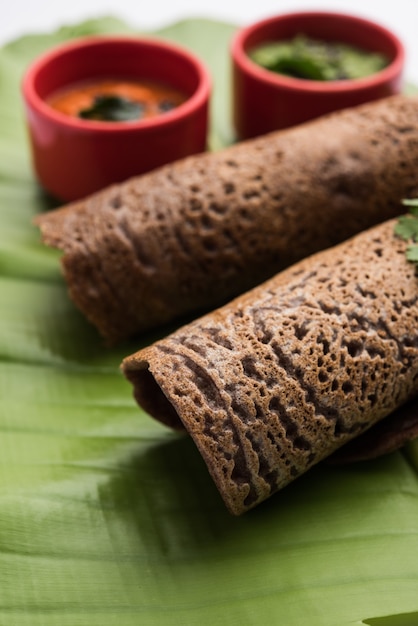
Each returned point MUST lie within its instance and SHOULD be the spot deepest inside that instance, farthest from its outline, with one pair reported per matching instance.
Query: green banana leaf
(106, 516)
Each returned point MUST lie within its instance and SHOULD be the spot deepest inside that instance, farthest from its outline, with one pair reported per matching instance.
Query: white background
(19, 17)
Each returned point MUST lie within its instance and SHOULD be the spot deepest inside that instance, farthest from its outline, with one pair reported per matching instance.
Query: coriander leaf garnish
(113, 108)
(412, 253)
(407, 228)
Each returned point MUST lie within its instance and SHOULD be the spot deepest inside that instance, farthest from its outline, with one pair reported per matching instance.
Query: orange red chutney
(115, 100)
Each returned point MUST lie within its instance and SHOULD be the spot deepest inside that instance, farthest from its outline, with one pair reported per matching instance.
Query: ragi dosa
(284, 375)
(190, 236)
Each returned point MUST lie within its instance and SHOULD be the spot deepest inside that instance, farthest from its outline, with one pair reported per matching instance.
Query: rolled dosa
(284, 375)
(190, 236)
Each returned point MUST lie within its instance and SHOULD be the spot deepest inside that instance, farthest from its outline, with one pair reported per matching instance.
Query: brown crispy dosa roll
(190, 236)
(283, 376)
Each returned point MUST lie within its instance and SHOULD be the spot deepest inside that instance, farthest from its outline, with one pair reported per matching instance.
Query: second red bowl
(264, 101)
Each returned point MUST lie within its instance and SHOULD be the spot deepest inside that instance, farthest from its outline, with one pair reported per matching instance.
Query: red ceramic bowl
(74, 157)
(264, 101)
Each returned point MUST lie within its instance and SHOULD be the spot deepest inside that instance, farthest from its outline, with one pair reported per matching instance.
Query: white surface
(30, 16)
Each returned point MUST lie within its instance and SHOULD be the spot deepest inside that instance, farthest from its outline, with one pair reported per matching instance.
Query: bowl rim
(241, 58)
(194, 102)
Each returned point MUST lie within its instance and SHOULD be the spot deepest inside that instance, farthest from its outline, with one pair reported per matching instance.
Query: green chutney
(312, 59)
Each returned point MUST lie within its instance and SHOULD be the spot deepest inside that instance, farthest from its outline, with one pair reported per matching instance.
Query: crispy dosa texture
(190, 236)
(283, 376)
(386, 436)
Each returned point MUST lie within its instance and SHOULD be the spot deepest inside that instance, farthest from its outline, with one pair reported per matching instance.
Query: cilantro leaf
(412, 203)
(113, 108)
(412, 253)
(407, 227)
